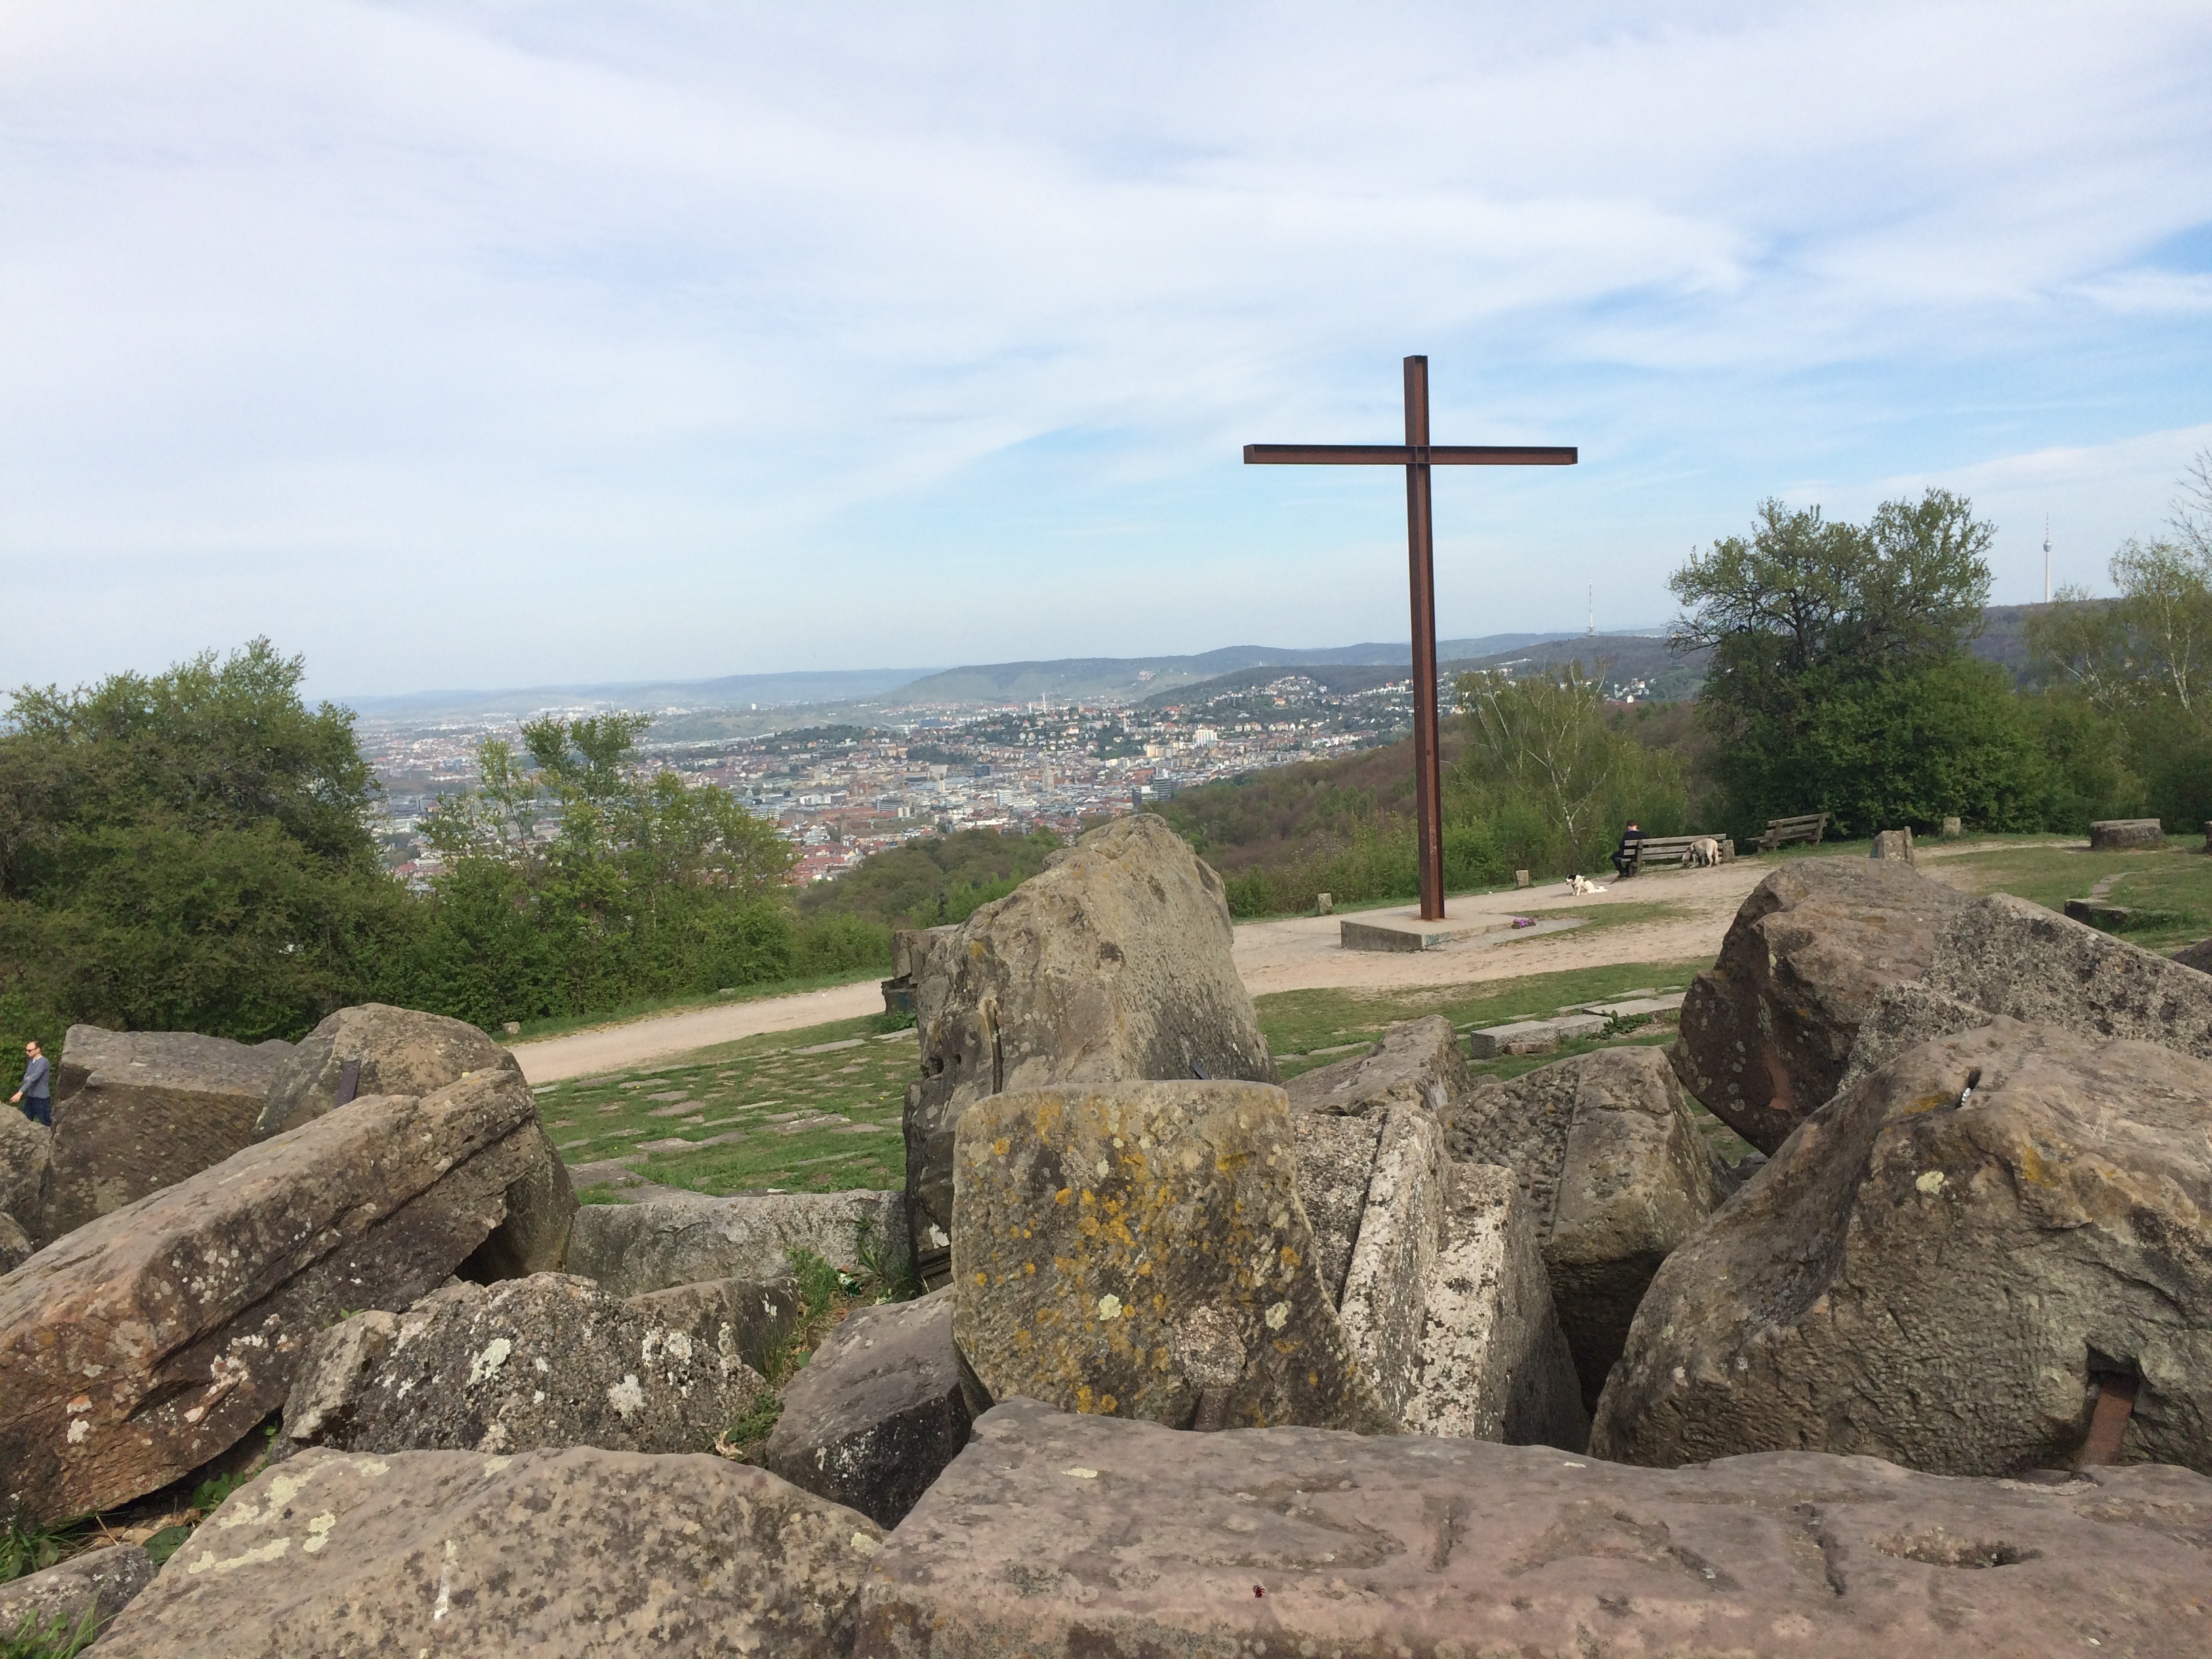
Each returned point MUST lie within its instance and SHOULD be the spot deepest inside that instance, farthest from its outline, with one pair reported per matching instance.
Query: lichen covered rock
(576, 1552)
(150, 1340)
(1937, 1264)
(1138, 1249)
(877, 1411)
(1112, 965)
(530, 1364)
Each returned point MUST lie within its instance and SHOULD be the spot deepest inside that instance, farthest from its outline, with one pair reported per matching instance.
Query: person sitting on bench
(1624, 856)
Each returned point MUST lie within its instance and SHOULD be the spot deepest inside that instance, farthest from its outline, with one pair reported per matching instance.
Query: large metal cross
(1417, 455)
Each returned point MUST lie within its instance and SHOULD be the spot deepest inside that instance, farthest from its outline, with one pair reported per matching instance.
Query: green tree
(1541, 743)
(579, 879)
(2139, 665)
(1826, 636)
(189, 850)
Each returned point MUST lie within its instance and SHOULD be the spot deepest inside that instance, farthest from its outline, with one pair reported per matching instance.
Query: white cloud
(444, 340)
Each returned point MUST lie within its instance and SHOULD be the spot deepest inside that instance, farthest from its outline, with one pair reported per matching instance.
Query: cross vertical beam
(1417, 455)
(1421, 582)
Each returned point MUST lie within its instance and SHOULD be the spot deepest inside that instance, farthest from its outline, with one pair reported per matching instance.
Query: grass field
(818, 1109)
(2170, 890)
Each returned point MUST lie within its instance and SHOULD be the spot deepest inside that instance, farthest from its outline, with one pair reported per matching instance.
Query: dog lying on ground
(1704, 852)
(1580, 884)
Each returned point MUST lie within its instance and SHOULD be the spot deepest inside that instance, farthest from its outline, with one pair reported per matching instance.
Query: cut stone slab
(576, 1552)
(878, 1411)
(152, 1339)
(1494, 1365)
(1934, 1269)
(1767, 1030)
(1335, 1157)
(390, 1051)
(1525, 1037)
(1394, 1254)
(2109, 834)
(632, 1248)
(1057, 1534)
(136, 1111)
(1138, 1249)
(100, 1583)
(1115, 963)
(528, 1364)
(1646, 1007)
(1617, 1175)
(1417, 1062)
(1405, 930)
(2101, 913)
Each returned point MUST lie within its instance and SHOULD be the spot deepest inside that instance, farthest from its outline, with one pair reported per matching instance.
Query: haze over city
(492, 345)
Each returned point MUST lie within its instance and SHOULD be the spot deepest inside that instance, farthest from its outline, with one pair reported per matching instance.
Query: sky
(495, 344)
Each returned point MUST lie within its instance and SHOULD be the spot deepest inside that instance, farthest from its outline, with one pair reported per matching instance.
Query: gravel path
(1298, 954)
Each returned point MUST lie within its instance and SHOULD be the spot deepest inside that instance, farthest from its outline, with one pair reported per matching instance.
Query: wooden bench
(1808, 827)
(1655, 850)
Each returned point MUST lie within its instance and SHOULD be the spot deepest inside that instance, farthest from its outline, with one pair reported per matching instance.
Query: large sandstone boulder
(1114, 965)
(576, 1553)
(2006, 956)
(136, 1111)
(375, 1050)
(1064, 1535)
(528, 1364)
(1417, 1062)
(26, 1157)
(1493, 1363)
(154, 1338)
(2002, 955)
(1138, 1249)
(93, 1587)
(631, 1248)
(877, 1411)
(1936, 1266)
(1617, 1175)
(1767, 1030)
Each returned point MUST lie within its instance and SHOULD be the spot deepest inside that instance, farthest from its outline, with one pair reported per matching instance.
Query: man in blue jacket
(36, 1097)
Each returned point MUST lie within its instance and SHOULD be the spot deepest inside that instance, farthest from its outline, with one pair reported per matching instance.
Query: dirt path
(617, 1047)
(1298, 955)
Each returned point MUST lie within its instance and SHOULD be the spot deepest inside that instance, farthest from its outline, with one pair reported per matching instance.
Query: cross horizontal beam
(1406, 455)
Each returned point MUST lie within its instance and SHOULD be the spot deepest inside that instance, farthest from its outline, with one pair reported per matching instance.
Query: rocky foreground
(1394, 1360)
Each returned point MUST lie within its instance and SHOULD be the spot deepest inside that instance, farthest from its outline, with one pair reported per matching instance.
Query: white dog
(1704, 852)
(1580, 884)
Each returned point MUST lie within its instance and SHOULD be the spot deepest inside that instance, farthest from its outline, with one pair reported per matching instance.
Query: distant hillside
(1624, 657)
(1121, 679)
(748, 704)
(730, 691)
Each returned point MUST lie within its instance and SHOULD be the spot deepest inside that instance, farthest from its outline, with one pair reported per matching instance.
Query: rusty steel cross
(1417, 455)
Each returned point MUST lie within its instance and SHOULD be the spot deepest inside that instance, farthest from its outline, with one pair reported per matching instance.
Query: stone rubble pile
(1216, 1364)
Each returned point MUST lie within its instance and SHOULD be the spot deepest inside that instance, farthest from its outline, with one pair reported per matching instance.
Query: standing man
(36, 1097)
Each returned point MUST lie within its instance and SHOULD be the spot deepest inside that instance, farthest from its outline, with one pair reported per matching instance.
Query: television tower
(2046, 558)
(1593, 611)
